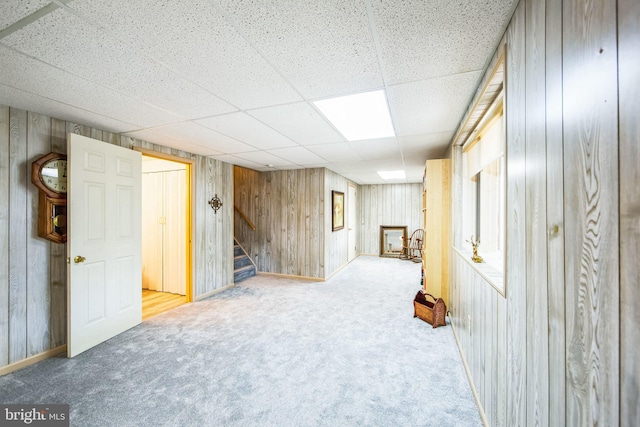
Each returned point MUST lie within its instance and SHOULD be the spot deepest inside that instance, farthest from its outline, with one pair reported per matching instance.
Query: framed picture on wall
(337, 210)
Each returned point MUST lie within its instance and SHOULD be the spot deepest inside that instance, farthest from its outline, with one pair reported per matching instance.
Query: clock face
(54, 175)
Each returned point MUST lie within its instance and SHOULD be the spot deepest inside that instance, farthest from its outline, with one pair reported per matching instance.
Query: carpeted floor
(270, 352)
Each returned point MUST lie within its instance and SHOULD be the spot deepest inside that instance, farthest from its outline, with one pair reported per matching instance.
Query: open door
(103, 242)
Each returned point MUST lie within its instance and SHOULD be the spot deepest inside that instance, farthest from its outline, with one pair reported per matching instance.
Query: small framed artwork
(337, 210)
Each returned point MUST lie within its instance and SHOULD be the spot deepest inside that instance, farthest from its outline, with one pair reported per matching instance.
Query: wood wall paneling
(317, 235)
(18, 181)
(287, 209)
(555, 210)
(629, 106)
(515, 274)
(500, 374)
(561, 357)
(292, 226)
(387, 204)
(200, 219)
(292, 213)
(335, 250)
(591, 202)
(209, 227)
(37, 251)
(537, 361)
(33, 271)
(5, 221)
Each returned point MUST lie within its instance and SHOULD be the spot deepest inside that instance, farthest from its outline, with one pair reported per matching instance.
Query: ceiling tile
(418, 148)
(300, 122)
(234, 160)
(194, 39)
(13, 11)
(414, 172)
(26, 101)
(386, 165)
(248, 130)
(167, 140)
(364, 177)
(438, 38)
(264, 158)
(340, 152)
(35, 77)
(323, 48)
(351, 167)
(298, 155)
(197, 134)
(434, 105)
(235, 79)
(377, 149)
(63, 40)
(425, 140)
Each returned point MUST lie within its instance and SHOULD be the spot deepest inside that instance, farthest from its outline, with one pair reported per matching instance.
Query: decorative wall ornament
(215, 203)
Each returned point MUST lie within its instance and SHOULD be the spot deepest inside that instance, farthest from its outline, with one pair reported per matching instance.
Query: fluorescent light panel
(392, 174)
(358, 117)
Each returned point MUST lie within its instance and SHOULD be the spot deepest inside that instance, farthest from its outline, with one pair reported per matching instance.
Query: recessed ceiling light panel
(358, 117)
(392, 174)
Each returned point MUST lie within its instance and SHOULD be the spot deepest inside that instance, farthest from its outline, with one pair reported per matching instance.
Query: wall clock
(49, 174)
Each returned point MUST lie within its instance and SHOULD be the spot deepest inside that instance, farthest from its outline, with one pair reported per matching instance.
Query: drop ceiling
(235, 80)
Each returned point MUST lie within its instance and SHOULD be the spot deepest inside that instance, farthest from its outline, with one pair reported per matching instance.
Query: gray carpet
(270, 352)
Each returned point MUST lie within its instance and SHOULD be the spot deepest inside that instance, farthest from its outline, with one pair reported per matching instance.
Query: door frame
(189, 175)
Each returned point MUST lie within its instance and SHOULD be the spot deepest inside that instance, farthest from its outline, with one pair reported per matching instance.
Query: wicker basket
(433, 313)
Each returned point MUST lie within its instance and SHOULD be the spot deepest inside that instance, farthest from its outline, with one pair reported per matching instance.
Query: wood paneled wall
(629, 131)
(479, 315)
(561, 348)
(33, 270)
(287, 208)
(591, 203)
(292, 214)
(387, 204)
(336, 247)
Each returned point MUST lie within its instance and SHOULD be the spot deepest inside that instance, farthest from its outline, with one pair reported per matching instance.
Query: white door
(352, 223)
(104, 297)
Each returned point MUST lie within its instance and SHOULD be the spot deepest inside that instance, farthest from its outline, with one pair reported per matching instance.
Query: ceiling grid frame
(422, 101)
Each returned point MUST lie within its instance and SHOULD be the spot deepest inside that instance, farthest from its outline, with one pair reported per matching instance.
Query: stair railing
(247, 220)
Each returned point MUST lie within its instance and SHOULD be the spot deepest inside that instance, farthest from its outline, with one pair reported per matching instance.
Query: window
(483, 189)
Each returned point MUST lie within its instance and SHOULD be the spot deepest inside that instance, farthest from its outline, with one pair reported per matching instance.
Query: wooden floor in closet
(154, 303)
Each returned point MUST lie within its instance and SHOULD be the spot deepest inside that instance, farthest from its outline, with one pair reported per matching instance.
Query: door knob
(78, 259)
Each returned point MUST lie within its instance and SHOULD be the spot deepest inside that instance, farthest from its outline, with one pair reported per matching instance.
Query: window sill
(488, 273)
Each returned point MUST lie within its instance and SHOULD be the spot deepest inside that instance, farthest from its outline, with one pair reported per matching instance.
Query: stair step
(241, 261)
(242, 264)
(244, 273)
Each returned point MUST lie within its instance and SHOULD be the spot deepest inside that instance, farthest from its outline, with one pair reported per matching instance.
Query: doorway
(351, 223)
(166, 233)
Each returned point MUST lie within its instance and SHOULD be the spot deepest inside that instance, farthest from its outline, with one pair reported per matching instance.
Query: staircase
(243, 266)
